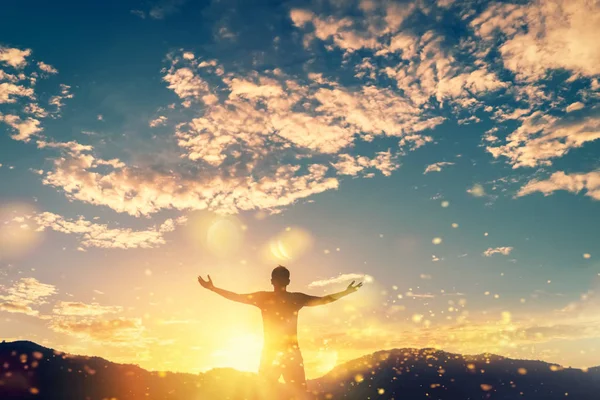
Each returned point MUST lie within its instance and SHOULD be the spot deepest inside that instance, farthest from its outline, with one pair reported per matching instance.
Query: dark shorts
(287, 362)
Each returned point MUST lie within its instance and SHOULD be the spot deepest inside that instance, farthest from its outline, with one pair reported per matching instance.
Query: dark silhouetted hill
(433, 374)
(31, 371)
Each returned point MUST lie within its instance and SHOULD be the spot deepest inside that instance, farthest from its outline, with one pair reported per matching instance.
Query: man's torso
(280, 318)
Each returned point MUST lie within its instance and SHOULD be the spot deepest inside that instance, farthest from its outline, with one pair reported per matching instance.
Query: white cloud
(57, 101)
(348, 165)
(25, 294)
(543, 36)
(9, 92)
(142, 191)
(101, 236)
(301, 17)
(238, 142)
(497, 250)
(343, 278)
(254, 134)
(542, 137)
(26, 128)
(160, 120)
(269, 108)
(35, 110)
(72, 147)
(427, 70)
(437, 167)
(47, 68)
(574, 106)
(17, 90)
(16, 58)
(574, 183)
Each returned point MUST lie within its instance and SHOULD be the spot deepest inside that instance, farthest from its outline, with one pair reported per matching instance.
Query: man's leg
(293, 373)
(269, 370)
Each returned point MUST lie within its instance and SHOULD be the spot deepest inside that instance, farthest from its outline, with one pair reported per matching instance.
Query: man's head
(280, 277)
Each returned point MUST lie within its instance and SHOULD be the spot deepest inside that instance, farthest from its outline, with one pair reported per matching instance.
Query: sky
(444, 152)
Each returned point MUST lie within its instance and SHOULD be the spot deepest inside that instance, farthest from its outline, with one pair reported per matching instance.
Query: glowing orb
(289, 245)
(477, 190)
(224, 237)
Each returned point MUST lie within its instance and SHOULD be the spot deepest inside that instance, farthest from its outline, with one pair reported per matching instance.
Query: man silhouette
(281, 354)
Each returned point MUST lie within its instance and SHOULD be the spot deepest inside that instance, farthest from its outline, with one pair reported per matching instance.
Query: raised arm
(311, 301)
(250, 298)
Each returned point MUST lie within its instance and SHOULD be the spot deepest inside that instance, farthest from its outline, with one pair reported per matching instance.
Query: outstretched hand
(353, 288)
(207, 284)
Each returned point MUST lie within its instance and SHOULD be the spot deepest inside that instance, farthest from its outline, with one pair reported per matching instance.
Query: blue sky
(448, 150)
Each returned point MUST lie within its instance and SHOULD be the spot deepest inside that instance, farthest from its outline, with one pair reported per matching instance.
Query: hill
(31, 371)
(434, 374)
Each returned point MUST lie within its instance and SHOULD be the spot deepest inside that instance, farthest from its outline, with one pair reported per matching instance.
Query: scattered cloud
(437, 167)
(348, 165)
(25, 128)
(143, 191)
(343, 278)
(101, 236)
(114, 332)
(74, 308)
(25, 115)
(542, 137)
(57, 101)
(47, 68)
(420, 295)
(574, 106)
(574, 183)
(10, 91)
(542, 36)
(498, 250)
(13, 57)
(161, 120)
(25, 294)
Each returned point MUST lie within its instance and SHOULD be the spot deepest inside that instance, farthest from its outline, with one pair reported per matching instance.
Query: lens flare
(18, 234)
(289, 245)
(224, 237)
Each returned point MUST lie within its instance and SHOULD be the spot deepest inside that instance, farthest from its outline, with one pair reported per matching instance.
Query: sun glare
(18, 235)
(240, 351)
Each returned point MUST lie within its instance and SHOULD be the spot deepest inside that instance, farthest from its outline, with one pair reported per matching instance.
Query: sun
(240, 351)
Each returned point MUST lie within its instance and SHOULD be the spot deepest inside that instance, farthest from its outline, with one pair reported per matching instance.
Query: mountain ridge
(32, 371)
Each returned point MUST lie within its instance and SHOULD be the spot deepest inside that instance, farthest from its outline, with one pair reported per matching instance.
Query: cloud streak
(437, 167)
(25, 294)
(101, 236)
(343, 278)
(498, 250)
(574, 183)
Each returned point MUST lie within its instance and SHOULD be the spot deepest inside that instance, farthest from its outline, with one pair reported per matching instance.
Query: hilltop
(31, 371)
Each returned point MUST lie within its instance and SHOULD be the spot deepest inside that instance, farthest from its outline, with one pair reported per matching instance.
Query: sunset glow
(444, 154)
